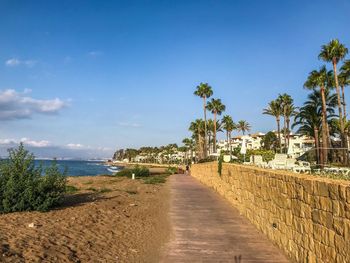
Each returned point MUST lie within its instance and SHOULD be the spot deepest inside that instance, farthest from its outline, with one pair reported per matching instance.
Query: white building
(299, 143)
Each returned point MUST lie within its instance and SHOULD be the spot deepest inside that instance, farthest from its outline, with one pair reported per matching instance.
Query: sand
(108, 220)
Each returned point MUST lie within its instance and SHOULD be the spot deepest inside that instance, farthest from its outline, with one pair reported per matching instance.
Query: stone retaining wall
(306, 216)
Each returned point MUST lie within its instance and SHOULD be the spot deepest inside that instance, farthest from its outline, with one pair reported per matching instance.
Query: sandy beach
(108, 219)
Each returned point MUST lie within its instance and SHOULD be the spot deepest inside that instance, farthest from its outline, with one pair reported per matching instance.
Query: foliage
(203, 90)
(267, 155)
(124, 173)
(171, 170)
(216, 106)
(208, 159)
(70, 189)
(270, 141)
(24, 188)
(139, 171)
(243, 126)
(158, 179)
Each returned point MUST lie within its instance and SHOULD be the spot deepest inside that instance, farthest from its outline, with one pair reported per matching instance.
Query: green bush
(267, 155)
(70, 189)
(158, 179)
(24, 188)
(124, 173)
(208, 159)
(171, 170)
(139, 171)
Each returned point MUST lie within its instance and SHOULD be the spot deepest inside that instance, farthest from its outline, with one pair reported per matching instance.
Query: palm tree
(211, 126)
(333, 52)
(309, 117)
(197, 128)
(243, 126)
(204, 91)
(216, 107)
(189, 143)
(321, 79)
(290, 111)
(228, 126)
(285, 100)
(344, 80)
(274, 109)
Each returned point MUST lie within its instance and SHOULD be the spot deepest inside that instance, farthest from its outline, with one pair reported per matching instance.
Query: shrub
(208, 159)
(70, 189)
(171, 170)
(159, 179)
(24, 188)
(267, 155)
(139, 171)
(124, 172)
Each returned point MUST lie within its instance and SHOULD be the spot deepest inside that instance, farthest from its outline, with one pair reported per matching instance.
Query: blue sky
(94, 76)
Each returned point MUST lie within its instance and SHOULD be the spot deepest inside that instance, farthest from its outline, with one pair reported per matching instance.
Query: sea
(77, 167)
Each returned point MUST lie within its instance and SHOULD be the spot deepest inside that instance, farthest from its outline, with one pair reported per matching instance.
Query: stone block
(321, 189)
(323, 218)
(324, 203)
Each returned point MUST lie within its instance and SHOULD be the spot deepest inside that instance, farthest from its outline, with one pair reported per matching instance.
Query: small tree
(24, 188)
(270, 141)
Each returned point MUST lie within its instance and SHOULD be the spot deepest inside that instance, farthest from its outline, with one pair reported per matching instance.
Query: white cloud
(42, 143)
(75, 146)
(25, 141)
(13, 62)
(129, 124)
(16, 105)
(95, 53)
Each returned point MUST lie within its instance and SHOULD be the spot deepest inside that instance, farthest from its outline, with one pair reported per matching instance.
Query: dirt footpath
(107, 220)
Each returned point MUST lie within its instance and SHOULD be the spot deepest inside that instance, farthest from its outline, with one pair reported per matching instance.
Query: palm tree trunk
(227, 136)
(343, 137)
(343, 101)
(199, 146)
(288, 124)
(325, 135)
(214, 139)
(285, 131)
(205, 126)
(229, 145)
(209, 142)
(279, 133)
(318, 152)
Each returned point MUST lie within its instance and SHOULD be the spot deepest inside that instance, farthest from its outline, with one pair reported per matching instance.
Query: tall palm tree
(323, 80)
(285, 100)
(334, 52)
(228, 126)
(344, 80)
(197, 128)
(274, 109)
(216, 107)
(243, 126)
(204, 91)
